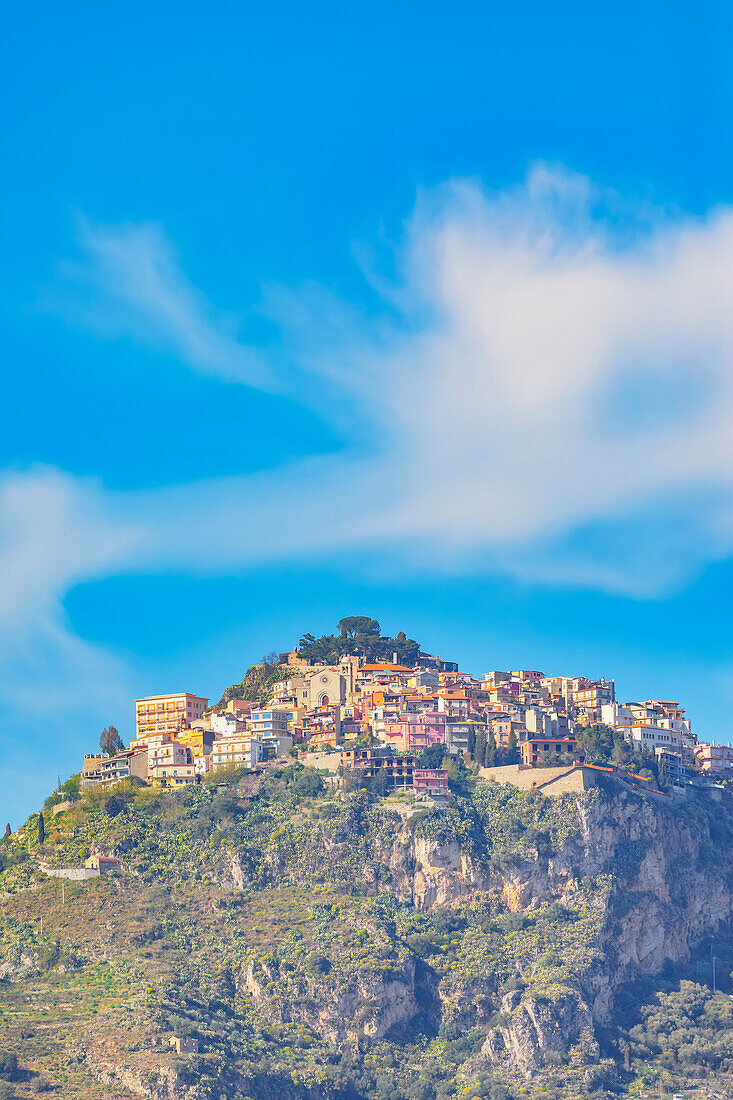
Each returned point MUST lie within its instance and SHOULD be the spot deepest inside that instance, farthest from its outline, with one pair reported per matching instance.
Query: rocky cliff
(656, 878)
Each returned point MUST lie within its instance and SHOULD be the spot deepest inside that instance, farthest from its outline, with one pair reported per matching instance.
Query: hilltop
(306, 942)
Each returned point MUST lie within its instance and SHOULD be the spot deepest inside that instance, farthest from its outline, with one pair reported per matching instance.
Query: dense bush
(8, 1065)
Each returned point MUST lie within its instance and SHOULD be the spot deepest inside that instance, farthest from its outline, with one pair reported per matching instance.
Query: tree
(490, 753)
(41, 830)
(432, 756)
(380, 785)
(479, 753)
(359, 634)
(110, 741)
(8, 1065)
(407, 649)
(353, 625)
(662, 772)
(450, 764)
(472, 742)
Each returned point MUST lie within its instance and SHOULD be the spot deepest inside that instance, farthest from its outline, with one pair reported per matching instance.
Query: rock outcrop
(662, 898)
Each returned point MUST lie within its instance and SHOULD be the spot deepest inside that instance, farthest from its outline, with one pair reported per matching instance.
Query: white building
(172, 775)
(241, 749)
(270, 722)
(276, 744)
(173, 754)
(651, 737)
(226, 723)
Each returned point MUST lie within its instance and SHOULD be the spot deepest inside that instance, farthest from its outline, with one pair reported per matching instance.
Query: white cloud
(130, 283)
(549, 359)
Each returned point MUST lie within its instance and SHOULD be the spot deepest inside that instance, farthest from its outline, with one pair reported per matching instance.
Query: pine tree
(41, 830)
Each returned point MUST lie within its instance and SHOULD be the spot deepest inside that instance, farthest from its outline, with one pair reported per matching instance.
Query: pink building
(414, 732)
(430, 780)
(714, 758)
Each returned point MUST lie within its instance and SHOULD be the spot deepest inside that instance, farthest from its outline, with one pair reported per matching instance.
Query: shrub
(8, 1065)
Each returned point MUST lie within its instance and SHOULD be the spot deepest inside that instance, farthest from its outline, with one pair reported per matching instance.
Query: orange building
(168, 713)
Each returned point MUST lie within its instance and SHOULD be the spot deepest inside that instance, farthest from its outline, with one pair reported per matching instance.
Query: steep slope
(318, 945)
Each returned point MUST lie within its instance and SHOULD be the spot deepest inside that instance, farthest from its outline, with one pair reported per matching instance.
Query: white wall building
(651, 737)
(241, 749)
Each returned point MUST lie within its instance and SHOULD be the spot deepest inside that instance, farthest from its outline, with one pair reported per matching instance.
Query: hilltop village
(407, 722)
(364, 874)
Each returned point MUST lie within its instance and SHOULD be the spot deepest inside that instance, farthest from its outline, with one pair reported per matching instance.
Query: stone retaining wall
(553, 781)
(76, 874)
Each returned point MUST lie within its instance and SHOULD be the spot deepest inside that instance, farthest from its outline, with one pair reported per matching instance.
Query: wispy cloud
(129, 283)
(551, 360)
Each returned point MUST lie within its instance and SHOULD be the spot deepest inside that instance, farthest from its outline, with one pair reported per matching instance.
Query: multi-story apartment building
(381, 760)
(268, 720)
(241, 749)
(108, 770)
(453, 703)
(645, 736)
(276, 744)
(91, 769)
(200, 742)
(174, 754)
(593, 695)
(676, 770)
(168, 713)
(226, 723)
(322, 726)
(172, 775)
(430, 781)
(413, 733)
(714, 758)
(458, 734)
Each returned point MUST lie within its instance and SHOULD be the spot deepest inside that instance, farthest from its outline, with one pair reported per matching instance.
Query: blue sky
(420, 311)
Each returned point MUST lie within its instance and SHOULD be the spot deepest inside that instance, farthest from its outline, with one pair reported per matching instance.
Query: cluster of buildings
(381, 715)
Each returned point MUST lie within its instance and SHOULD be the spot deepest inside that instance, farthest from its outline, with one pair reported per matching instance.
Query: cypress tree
(472, 742)
(490, 753)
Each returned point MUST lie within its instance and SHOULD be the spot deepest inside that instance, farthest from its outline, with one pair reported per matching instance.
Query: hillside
(331, 945)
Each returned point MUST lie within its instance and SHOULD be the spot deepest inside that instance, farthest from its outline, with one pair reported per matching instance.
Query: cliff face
(657, 891)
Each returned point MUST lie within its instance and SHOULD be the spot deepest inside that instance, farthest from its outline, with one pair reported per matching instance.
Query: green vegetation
(359, 635)
(605, 745)
(316, 946)
(110, 741)
(256, 684)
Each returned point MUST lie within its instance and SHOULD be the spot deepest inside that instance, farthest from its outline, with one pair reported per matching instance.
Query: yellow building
(200, 743)
(168, 713)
